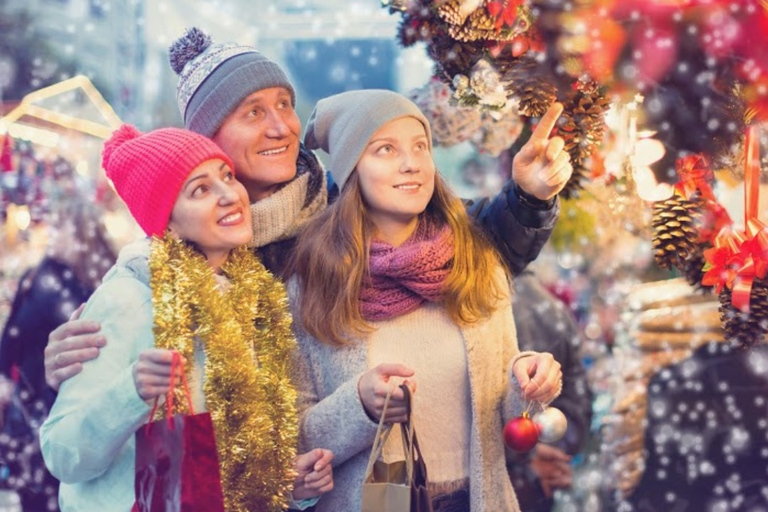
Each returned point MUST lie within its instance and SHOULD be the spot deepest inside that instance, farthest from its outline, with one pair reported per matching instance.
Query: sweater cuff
(531, 211)
(521, 355)
(303, 504)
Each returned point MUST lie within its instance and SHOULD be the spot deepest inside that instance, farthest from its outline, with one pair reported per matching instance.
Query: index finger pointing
(547, 122)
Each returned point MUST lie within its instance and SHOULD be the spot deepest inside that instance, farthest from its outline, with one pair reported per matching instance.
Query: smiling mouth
(231, 219)
(407, 186)
(276, 151)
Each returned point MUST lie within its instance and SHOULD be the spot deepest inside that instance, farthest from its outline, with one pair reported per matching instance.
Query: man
(245, 103)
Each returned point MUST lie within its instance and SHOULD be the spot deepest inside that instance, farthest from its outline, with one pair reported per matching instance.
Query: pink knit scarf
(403, 277)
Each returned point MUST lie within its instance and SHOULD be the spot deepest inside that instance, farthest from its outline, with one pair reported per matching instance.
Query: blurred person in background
(705, 440)
(544, 324)
(78, 254)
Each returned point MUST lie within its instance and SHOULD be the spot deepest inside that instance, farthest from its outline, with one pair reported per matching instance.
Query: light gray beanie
(215, 78)
(341, 125)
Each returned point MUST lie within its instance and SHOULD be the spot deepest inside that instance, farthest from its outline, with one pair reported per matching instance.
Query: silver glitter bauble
(552, 424)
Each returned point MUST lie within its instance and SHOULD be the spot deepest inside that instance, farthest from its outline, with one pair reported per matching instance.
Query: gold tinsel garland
(247, 339)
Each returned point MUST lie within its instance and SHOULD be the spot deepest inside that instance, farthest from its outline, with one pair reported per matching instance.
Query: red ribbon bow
(694, 176)
(722, 260)
(739, 258)
(504, 11)
(753, 257)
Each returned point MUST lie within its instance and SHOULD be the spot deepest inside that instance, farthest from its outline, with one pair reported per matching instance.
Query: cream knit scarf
(279, 216)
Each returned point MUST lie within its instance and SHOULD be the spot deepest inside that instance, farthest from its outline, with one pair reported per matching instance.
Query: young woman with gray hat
(394, 281)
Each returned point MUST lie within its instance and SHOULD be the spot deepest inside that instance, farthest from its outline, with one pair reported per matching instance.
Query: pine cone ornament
(450, 12)
(529, 82)
(746, 329)
(692, 268)
(582, 126)
(674, 231)
(479, 26)
(481, 20)
(453, 57)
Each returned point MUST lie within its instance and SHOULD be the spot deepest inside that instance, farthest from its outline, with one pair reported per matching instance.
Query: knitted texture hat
(341, 125)
(215, 78)
(149, 169)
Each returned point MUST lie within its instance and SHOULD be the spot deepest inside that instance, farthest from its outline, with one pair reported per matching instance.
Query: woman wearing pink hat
(211, 300)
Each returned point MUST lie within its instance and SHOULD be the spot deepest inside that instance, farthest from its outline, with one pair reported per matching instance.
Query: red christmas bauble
(521, 434)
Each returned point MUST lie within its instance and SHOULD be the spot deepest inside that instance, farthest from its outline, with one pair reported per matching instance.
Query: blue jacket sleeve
(518, 227)
(98, 410)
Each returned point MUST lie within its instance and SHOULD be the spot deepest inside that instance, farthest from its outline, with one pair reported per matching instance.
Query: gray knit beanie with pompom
(214, 78)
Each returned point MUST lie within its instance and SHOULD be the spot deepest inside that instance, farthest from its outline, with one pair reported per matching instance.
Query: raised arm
(520, 219)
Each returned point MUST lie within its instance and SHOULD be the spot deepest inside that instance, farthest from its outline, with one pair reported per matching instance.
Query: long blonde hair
(330, 262)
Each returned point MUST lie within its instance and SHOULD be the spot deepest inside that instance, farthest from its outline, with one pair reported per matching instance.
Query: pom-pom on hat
(341, 125)
(214, 78)
(149, 169)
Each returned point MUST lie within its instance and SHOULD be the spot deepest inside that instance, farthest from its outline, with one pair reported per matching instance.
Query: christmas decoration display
(247, 336)
(663, 323)
(48, 140)
(738, 263)
(685, 224)
(451, 124)
(490, 132)
(701, 65)
(521, 434)
(551, 423)
(582, 127)
(490, 53)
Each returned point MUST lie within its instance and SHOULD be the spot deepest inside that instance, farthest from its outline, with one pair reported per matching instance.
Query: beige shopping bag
(394, 486)
(387, 485)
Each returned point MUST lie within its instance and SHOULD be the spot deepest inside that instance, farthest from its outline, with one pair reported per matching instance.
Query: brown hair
(330, 262)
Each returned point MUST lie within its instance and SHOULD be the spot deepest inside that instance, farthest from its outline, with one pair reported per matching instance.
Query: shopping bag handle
(382, 434)
(410, 441)
(406, 429)
(177, 367)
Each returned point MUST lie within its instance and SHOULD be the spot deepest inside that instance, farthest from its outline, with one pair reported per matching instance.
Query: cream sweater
(439, 360)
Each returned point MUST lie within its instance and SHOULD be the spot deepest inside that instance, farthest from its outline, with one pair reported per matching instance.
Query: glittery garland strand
(247, 338)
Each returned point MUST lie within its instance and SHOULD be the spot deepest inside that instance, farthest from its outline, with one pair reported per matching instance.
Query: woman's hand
(373, 387)
(152, 373)
(542, 167)
(539, 376)
(314, 474)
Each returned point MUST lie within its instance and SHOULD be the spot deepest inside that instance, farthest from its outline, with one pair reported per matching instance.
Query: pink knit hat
(149, 169)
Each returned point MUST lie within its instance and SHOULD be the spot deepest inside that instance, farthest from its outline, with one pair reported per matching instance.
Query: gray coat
(332, 415)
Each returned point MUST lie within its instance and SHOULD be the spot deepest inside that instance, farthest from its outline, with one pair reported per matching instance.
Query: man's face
(261, 136)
